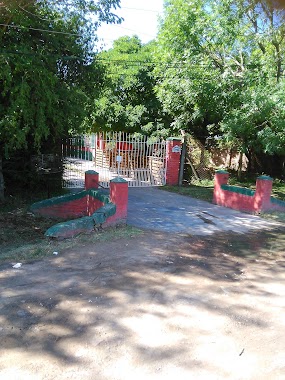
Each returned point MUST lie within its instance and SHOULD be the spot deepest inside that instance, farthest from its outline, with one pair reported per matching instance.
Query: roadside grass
(204, 190)
(22, 233)
(44, 247)
(199, 189)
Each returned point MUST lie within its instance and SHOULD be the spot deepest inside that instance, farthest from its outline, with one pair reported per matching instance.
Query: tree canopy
(45, 59)
(127, 101)
(46, 72)
(220, 71)
(216, 70)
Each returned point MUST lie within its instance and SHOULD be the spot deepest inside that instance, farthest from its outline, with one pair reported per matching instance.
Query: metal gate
(140, 160)
(78, 156)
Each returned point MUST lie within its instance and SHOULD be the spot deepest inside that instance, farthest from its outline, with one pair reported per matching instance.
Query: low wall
(242, 199)
(83, 203)
(91, 208)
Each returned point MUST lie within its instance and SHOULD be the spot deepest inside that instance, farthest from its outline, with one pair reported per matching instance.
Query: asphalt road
(158, 210)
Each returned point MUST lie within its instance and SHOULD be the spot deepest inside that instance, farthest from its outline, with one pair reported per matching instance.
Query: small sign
(176, 149)
(119, 158)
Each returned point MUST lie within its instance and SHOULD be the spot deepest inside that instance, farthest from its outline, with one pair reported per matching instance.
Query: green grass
(20, 199)
(22, 234)
(45, 247)
(278, 187)
(204, 190)
(201, 190)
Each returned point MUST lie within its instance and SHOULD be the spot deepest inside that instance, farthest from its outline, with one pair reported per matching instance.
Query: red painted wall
(92, 205)
(71, 209)
(118, 196)
(236, 201)
(260, 201)
(172, 162)
(91, 180)
(87, 205)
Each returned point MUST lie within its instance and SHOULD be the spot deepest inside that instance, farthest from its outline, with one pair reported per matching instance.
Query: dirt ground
(156, 306)
(19, 228)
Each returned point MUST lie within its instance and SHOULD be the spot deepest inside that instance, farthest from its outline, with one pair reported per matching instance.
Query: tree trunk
(240, 164)
(1, 182)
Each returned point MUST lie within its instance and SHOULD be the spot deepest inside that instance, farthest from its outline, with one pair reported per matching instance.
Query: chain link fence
(201, 160)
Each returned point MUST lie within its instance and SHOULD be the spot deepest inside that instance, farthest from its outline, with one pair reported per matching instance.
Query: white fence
(138, 159)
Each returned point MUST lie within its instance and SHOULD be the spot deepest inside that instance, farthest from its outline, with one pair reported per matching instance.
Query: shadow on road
(155, 304)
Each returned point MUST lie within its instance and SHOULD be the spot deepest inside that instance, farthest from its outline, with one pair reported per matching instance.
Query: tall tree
(221, 73)
(45, 56)
(127, 101)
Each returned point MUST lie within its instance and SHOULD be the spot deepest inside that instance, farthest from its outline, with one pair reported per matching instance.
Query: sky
(141, 19)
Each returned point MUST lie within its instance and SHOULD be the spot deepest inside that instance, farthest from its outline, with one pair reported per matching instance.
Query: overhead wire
(37, 16)
(45, 19)
(126, 74)
(126, 62)
(40, 30)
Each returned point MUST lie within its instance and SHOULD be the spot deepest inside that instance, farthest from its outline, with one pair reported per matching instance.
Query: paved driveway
(158, 210)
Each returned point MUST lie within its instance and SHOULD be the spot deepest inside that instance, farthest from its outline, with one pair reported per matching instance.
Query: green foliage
(45, 76)
(127, 101)
(46, 72)
(220, 72)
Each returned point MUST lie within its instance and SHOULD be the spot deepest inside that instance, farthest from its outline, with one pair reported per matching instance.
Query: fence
(202, 160)
(140, 160)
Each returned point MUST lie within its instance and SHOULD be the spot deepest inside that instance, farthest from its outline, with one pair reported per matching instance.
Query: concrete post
(263, 191)
(119, 196)
(221, 178)
(91, 180)
(173, 153)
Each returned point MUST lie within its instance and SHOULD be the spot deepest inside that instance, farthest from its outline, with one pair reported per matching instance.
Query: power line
(37, 16)
(65, 57)
(126, 62)
(40, 30)
(206, 79)
(121, 27)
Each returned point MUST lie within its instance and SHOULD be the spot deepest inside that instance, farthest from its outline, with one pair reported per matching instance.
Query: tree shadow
(145, 299)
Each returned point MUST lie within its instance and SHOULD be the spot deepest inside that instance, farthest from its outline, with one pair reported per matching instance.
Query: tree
(127, 101)
(221, 74)
(46, 67)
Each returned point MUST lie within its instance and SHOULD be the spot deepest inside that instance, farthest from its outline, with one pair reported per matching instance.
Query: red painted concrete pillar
(263, 191)
(91, 180)
(119, 196)
(221, 178)
(173, 153)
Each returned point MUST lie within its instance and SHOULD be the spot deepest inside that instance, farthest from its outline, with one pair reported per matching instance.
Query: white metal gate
(78, 156)
(138, 159)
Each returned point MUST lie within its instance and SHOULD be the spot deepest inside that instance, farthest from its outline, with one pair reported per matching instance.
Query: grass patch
(45, 247)
(276, 216)
(278, 186)
(22, 233)
(202, 190)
